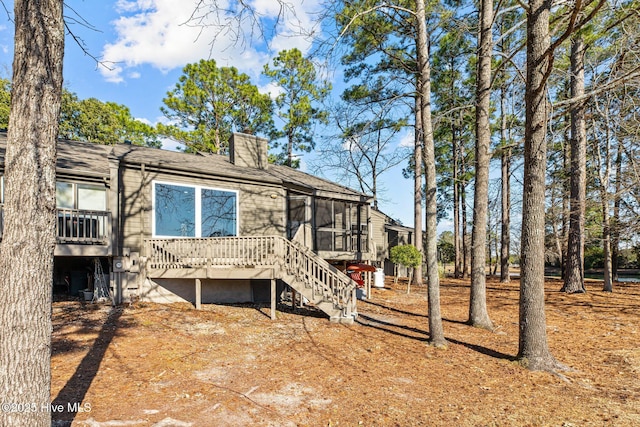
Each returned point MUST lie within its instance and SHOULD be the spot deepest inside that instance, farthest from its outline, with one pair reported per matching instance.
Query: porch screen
(193, 211)
(297, 214)
(332, 225)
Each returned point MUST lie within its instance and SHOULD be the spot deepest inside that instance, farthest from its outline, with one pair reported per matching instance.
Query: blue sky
(145, 44)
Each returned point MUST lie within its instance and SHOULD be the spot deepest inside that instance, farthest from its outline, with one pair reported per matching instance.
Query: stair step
(307, 285)
(347, 320)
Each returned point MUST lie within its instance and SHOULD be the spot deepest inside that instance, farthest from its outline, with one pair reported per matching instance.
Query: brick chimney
(248, 150)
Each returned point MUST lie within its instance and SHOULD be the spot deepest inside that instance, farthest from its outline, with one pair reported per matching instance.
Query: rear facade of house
(166, 226)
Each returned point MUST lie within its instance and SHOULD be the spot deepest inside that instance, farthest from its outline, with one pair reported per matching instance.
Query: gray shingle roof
(329, 188)
(207, 164)
(90, 159)
(82, 158)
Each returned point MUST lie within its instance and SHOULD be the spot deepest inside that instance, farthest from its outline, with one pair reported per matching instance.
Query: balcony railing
(76, 226)
(83, 226)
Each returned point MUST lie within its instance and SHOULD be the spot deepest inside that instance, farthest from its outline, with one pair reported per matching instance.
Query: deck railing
(290, 259)
(83, 226)
(325, 279)
(171, 253)
(78, 226)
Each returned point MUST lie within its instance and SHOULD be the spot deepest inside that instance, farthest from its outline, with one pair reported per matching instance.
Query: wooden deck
(255, 257)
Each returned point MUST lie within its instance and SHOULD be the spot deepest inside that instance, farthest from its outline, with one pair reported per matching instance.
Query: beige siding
(379, 235)
(134, 201)
(248, 150)
(262, 211)
(261, 207)
(184, 290)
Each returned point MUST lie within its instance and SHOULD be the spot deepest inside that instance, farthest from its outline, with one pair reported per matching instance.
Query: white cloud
(268, 8)
(161, 33)
(272, 89)
(143, 120)
(408, 140)
(298, 25)
(351, 144)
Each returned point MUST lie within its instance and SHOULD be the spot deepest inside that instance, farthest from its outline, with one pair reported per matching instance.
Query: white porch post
(273, 299)
(198, 294)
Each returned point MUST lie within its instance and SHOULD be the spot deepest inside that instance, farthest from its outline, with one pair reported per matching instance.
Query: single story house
(168, 226)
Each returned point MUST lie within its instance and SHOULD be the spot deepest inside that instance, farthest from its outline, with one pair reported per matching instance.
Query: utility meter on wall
(118, 265)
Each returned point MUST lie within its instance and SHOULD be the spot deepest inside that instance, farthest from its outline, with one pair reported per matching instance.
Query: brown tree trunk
(457, 272)
(558, 195)
(615, 223)
(604, 178)
(417, 190)
(505, 46)
(533, 348)
(289, 149)
(564, 226)
(607, 285)
(574, 272)
(478, 314)
(464, 234)
(436, 331)
(505, 159)
(26, 252)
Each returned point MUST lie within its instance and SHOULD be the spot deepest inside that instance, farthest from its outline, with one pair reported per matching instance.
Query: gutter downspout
(114, 244)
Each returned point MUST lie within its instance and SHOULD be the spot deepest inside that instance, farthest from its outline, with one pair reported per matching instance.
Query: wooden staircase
(323, 285)
(319, 282)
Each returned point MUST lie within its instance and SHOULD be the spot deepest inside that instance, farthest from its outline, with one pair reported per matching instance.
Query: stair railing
(324, 278)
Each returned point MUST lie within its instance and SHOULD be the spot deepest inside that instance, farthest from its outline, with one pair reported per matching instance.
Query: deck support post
(198, 294)
(273, 299)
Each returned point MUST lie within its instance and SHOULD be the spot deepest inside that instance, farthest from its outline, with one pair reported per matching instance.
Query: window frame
(75, 195)
(93, 187)
(76, 199)
(197, 206)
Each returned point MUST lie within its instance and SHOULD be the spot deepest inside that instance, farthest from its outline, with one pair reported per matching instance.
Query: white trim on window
(74, 190)
(197, 206)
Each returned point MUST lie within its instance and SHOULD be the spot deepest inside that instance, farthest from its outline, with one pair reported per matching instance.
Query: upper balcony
(79, 232)
(83, 227)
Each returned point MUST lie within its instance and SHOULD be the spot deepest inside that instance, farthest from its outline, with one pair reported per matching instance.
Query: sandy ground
(170, 365)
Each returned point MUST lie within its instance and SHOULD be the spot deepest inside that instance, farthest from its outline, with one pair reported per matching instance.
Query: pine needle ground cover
(149, 364)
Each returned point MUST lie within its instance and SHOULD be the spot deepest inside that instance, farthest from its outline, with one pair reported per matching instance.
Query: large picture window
(193, 211)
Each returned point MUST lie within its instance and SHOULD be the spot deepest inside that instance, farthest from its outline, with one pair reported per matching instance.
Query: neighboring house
(387, 233)
(168, 226)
